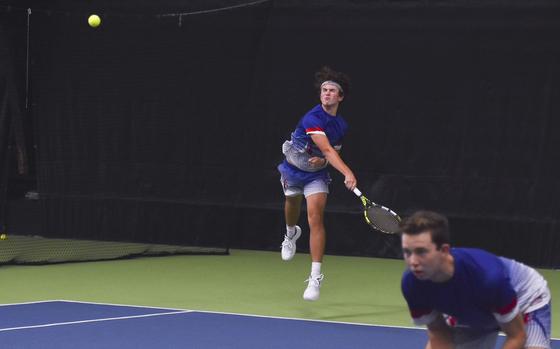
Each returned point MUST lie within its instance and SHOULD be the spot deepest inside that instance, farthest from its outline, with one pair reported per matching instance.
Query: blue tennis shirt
(316, 121)
(485, 290)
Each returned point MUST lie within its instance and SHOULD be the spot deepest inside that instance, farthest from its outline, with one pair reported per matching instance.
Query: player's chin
(419, 274)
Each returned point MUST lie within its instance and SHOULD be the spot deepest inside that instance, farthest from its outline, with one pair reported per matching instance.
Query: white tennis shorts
(313, 187)
(537, 328)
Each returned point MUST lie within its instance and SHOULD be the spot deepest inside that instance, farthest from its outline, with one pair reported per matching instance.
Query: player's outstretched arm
(439, 335)
(515, 333)
(335, 160)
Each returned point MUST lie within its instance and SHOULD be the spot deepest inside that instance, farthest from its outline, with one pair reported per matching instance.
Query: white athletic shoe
(313, 285)
(289, 245)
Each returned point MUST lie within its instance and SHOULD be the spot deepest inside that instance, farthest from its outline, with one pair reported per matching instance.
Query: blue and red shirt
(316, 121)
(485, 290)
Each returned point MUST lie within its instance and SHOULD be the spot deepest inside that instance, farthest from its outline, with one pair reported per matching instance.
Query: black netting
(154, 128)
(128, 121)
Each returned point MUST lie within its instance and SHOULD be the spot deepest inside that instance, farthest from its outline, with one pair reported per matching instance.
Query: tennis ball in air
(94, 21)
(3, 236)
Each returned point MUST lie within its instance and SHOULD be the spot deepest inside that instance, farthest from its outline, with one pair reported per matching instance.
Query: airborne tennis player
(466, 296)
(314, 144)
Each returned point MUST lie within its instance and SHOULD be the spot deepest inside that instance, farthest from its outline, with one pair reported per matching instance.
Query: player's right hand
(350, 181)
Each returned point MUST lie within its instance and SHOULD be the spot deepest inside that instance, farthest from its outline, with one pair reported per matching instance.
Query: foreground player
(314, 144)
(466, 296)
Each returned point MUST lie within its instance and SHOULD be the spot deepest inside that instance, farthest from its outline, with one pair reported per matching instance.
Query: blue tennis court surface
(64, 324)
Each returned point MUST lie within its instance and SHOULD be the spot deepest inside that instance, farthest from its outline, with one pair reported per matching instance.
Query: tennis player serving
(315, 143)
(466, 296)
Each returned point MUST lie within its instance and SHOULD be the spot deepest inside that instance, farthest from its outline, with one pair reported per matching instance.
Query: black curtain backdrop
(138, 122)
(453, 109)
(169, 128)
(14, 159)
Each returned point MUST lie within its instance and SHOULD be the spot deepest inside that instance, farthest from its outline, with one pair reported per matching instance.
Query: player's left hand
(317, 161)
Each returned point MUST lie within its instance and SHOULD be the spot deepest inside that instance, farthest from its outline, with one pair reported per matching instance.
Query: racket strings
(383, 219)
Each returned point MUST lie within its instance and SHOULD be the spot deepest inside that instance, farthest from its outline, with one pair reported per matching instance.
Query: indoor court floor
(249, 299)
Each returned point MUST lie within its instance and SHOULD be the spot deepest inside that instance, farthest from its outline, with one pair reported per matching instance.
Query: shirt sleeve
(505, 306)
(504, 298)
(312, 124)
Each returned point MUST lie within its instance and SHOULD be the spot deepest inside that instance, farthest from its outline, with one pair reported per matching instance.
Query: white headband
(330, 82)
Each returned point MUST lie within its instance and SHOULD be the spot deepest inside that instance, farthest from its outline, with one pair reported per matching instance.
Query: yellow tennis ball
(3, 236)
(94, 21)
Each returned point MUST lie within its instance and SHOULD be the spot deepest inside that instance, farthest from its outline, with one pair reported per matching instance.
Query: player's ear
(445, 248)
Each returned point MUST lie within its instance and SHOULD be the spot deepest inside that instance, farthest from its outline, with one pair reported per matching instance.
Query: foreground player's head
(333, 86)
(430, 222)
(425, 244)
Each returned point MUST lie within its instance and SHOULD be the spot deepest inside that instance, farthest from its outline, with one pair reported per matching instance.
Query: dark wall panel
(138, 120)
(453, 108)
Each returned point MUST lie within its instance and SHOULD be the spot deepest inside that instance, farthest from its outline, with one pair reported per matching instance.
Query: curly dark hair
(327, 73)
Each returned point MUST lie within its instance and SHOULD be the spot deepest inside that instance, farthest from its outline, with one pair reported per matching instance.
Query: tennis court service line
(26, 303)
(93, 320)
(244, 314)
(183, 311)
(121, 305)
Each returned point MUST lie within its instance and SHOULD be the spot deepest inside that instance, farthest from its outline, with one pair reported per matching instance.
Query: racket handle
(357, 192)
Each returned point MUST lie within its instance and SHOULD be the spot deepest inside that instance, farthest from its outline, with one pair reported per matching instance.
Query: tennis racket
(379, 217)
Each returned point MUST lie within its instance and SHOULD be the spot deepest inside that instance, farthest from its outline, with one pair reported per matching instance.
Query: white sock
(315, 268)
(290, 231)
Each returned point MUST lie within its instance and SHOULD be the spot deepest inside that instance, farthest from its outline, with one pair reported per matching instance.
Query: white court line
(178, 310)
(92, 320)
(248, 315)
(120, 305)
(24, 303)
